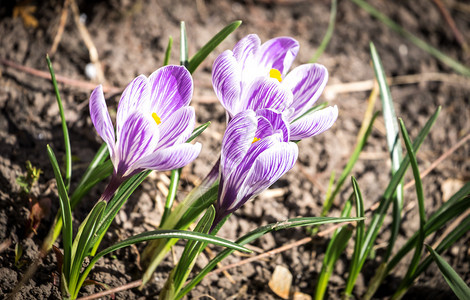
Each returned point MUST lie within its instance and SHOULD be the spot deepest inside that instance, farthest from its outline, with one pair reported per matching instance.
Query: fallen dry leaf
(449, 187)
(25, 11)
(281, 282)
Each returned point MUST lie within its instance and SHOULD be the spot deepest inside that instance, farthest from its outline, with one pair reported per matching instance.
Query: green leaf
(65, 131)
(422, 214)
(336, 246)
(175, 177)
(457, 66)
(166, 60)
(199, 57)
(196, 132)
(113, 207)
(356, 261)
(347, 169)
(66, 214)
(192, 250)
(174, 180)
(255, 234)
(98, 169)
(393, 143)
(312, 109)
(446, 243)
(332, 254)
(163, 234)
(379, 215)
(206, 200)
(450, 210)
(83, 244)
(183, 46)
(328, 34)
(461, 290)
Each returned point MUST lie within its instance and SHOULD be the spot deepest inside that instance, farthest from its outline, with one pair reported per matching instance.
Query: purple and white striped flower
(236, 74)
(153, 123)
(255, 152)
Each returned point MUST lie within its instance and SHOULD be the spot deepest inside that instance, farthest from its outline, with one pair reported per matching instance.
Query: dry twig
(88, 41)
(450, 21)
(60, 30)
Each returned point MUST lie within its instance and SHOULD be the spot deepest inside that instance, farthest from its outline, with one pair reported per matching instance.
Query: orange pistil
(255, 140)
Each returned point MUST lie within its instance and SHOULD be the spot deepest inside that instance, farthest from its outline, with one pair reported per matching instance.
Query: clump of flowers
(268, 108)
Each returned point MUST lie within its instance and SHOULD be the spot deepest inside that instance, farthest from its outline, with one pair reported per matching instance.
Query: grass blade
(175, 177)
(68, 151)
(393, 143)
(83, 245)
(192, 250)
(163, 234)
(450, 210)
(199, 57)
(347, 169)
(461, 290)
(379, 216)
(334, 250)
(446, 243)
(422, 214)
(336, 246)
(90, 175)
(328, 34)
(455, 206)
(255, 234)
(457, 66)
(66, 214)
(356, 261)
(166, 59)
(174, 180)
(183, 46)
(113, 207)
(312, 109)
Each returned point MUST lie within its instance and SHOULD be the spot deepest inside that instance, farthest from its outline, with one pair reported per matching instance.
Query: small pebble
(90, 71)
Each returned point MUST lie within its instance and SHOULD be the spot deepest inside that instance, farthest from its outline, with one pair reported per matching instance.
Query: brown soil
(131, 38)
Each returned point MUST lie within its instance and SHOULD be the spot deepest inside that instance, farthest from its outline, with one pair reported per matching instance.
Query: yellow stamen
(274, 73)
(255, 140)
(156, 118)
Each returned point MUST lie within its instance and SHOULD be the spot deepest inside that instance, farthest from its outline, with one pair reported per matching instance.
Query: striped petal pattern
(250, 164)
(153, 123)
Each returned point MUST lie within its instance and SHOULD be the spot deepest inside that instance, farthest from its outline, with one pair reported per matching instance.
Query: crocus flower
(255, 152)
(153, 123)
(235, 71)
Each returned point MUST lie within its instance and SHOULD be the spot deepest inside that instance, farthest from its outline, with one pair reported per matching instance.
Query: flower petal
(246, 47)
(307, 83)
(238, 174)
(226, 79)
(171, 158)
(277, 122)
(138, 138)
(101, 120)
(278, 53)
(171, 87)
(268, 167)
(177, 128)
(134, 97)
(237, 140)
(313, 123)
(266, 93)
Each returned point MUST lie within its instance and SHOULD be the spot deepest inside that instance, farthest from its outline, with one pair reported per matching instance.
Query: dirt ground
(131, 37)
